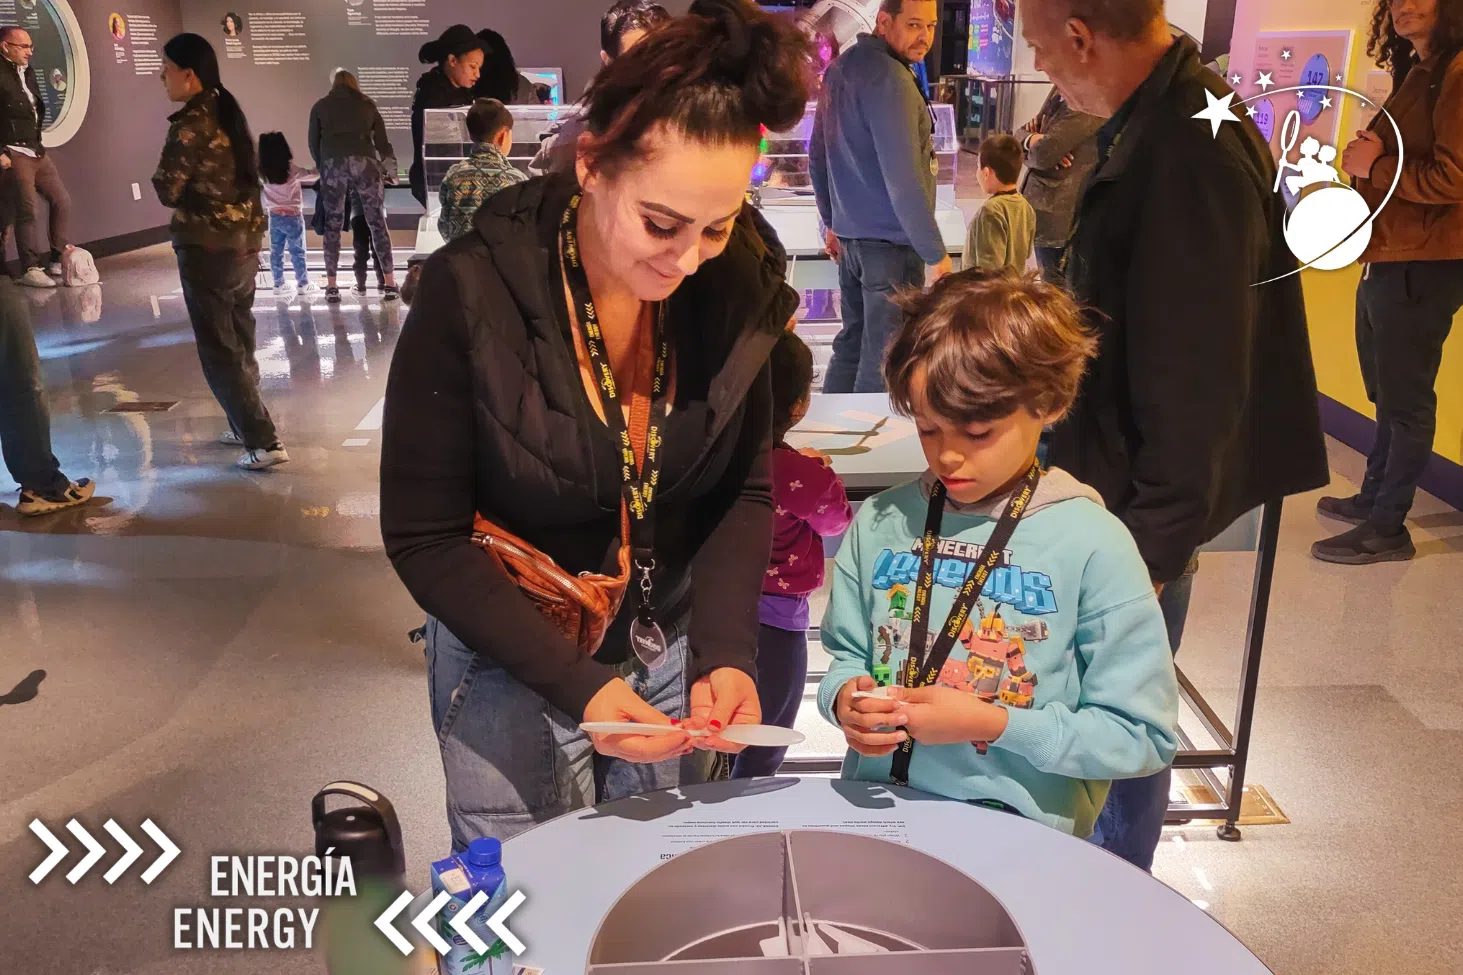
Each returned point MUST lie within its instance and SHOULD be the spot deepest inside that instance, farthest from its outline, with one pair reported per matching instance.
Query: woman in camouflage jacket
(210, 177)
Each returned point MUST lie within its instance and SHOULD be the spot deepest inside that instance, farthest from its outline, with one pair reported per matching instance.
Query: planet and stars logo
(1328, 223)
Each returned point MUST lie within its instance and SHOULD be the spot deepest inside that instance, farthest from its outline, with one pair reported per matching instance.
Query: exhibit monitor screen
(992, 33)
(550, 78)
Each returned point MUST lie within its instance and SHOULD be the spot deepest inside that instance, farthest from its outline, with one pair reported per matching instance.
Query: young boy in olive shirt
(1002, 233)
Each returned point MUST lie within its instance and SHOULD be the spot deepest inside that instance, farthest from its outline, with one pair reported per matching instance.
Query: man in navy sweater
(873, 165)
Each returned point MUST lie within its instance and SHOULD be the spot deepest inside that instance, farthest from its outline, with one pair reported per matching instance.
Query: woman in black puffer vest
(493, 408)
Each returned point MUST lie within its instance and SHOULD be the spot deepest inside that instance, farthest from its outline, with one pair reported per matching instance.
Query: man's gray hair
(1122, 20)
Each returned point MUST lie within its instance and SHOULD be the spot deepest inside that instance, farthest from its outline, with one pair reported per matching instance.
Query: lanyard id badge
(920, 670)
(639, 476)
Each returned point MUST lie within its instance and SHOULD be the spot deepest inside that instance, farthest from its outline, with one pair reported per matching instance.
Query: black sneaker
(359, 289)
(390, 293)
(1351, 509)
(38, 503)
(332, 296)
(1365, 544)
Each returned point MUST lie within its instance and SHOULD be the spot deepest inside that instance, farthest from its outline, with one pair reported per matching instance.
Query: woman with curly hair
(1412, 287)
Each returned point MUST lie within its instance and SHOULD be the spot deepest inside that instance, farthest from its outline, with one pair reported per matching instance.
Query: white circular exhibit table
(610, 889)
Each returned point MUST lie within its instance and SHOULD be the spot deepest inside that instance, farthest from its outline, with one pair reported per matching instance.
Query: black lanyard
(920, 670)
(638, 480)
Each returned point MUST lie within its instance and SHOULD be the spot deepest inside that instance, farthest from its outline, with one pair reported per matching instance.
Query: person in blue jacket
(1058, 677)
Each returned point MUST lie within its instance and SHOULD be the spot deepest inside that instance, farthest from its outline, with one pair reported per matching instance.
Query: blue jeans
(1131, 823)
(25, 423)
(782, 677)
(513, 760)
(287, 232)
(869, 272)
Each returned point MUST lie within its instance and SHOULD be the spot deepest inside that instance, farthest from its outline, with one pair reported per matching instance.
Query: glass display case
(782, 187)
(445, 140)
(787, 175)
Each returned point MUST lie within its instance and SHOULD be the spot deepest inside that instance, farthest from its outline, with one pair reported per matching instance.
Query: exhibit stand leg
(1234, 745)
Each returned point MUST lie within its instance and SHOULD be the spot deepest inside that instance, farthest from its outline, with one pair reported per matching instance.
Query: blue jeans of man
(1131, 823)
(25, 422)
(513, 760)
(287, 234)
(869, 273)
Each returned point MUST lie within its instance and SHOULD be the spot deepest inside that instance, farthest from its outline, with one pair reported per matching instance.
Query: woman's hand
(860, 718)
(617, 702)
(1361, 156)
(726, 696)
(944, 716)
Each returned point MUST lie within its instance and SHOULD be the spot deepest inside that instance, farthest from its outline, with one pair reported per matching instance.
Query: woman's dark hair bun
(428, 53)
(716, 75)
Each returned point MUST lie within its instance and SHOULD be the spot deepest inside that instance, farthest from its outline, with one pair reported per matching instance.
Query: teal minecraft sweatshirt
(1067, 636)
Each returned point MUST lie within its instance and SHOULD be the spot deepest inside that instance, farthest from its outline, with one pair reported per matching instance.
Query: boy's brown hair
(1001, 154)
(989, 343)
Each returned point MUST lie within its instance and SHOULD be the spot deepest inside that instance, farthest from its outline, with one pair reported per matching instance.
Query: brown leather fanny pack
(580, 607)
(583, 606)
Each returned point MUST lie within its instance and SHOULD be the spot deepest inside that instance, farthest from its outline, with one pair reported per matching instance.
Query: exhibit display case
(782, 187)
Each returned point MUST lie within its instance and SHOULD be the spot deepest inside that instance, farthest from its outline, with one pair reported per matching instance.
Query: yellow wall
(1331, 295)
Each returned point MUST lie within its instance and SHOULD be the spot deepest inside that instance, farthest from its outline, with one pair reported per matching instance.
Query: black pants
(1049, 259)
(1404, 311)
(782, 676)
(364, 243)
(218, 288)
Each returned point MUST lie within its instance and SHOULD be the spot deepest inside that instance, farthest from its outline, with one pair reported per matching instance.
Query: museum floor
(217, 645)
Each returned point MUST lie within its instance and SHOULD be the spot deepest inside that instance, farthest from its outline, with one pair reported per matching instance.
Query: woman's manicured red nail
(675, 721)
(715, 725)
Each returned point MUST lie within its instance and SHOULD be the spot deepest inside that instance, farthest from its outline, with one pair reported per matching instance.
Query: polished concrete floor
(217, 645)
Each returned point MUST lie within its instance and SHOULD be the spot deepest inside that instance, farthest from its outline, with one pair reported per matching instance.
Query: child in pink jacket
(811, 503)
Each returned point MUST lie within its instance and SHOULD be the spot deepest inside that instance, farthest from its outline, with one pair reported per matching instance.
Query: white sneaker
(311, 290)
(36, 278)
(285, 293)
(54, 270)
(262, 460)
(230, 439)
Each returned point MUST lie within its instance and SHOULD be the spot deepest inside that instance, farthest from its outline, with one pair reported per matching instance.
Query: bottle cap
(485, 852)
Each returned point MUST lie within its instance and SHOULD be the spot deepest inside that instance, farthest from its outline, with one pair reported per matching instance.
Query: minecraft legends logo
(1029, 592)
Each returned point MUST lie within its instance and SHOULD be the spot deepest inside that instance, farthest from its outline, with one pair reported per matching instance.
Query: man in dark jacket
(1201, 404)
(22, 114)
(1060, 149)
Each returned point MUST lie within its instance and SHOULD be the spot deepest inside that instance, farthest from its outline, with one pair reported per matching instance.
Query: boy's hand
(859, 718)
(944, 716)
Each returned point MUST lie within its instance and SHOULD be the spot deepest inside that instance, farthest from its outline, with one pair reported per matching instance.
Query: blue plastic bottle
(463, 876)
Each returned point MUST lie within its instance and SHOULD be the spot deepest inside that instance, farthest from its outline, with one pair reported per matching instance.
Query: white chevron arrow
(58, 851)
(498, 922)
(383, 923)
(127, 859)
(420, 922)
(459, 923)
(169, 848)
(94, 851)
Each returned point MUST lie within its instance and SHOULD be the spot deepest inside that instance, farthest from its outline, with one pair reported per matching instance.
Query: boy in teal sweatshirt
(1045, 670)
